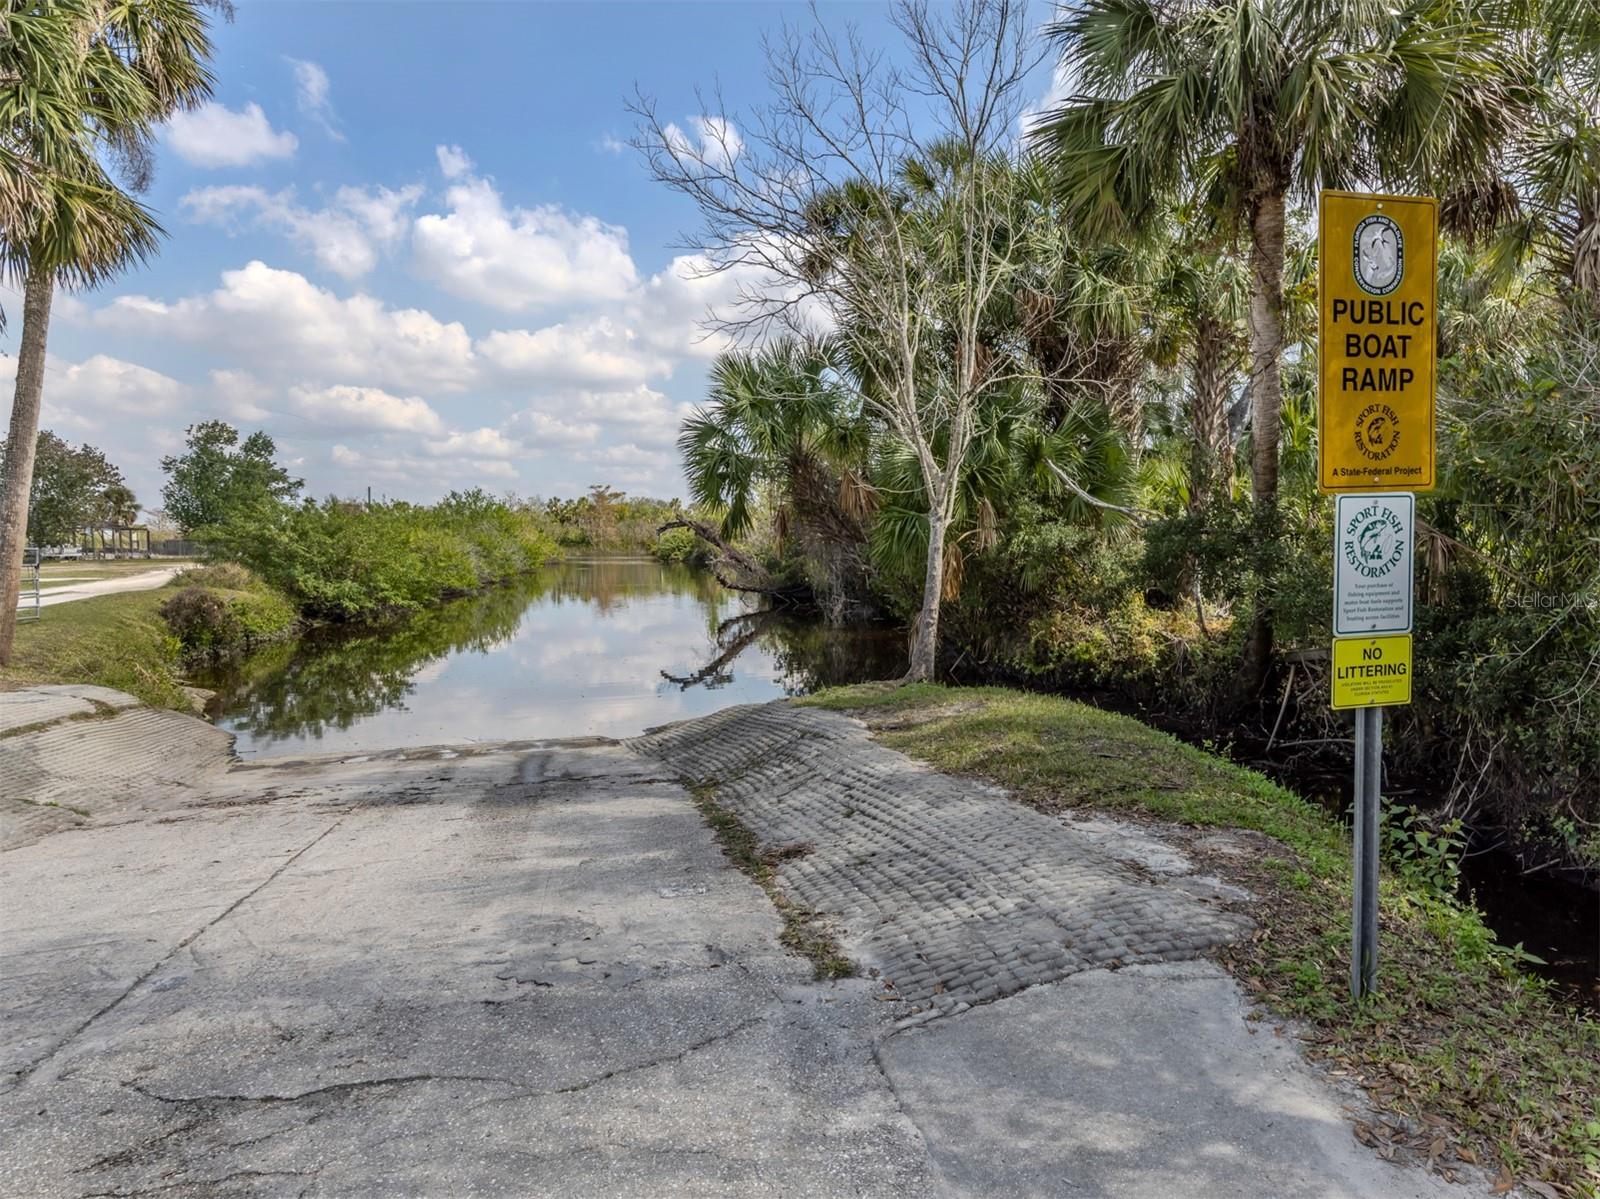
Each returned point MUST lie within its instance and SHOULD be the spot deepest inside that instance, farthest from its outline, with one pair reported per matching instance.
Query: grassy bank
(140, 641)
(1468, 1058)
(279, 566)
(118, 641)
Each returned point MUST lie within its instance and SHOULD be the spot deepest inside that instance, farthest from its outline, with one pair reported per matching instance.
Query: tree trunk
(925, 634)
(1211, 461)
(751, 575)
(1266, 345)
(1266, 403)
(22, 441)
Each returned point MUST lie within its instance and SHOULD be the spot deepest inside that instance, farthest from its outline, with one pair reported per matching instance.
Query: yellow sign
(1377, 263)
(1371, 672)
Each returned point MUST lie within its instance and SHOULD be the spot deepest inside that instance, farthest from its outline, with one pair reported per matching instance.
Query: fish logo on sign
(1377, 431)
(1378, 255)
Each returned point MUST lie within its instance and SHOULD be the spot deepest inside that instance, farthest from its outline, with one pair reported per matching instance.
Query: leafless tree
(871, 201)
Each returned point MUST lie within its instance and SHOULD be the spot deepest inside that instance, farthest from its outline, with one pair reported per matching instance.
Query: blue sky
(406, 239)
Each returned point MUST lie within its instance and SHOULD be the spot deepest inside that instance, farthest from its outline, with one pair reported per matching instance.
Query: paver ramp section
(954, 891)
(75, 755)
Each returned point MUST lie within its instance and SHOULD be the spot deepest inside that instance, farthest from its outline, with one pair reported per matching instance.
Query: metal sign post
(1377, 269)
(1364, 905)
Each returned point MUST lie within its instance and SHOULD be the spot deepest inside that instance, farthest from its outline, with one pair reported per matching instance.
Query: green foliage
(342, 560)
(1512, 622)
(678, 545)
(1255, 96)
(84, 87)
(117, 641)
(606, 520)
(208, 622)
(212, 482)
(223, 576)
(1426, 851)
(74, 488)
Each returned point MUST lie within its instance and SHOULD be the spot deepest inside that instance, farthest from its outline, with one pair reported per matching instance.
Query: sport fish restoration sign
(1373, 563)
(1377, 263)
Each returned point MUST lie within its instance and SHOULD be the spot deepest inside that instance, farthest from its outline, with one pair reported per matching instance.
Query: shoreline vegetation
(1467, 1059)
(275, 569)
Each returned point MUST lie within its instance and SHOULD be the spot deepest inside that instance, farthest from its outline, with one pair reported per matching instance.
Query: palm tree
(80, 82)
(1201, 296)
(1290, 95)
(1078, 304)
(1549, 208)
(777, 424)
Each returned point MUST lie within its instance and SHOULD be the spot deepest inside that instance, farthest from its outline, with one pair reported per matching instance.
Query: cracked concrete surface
(528, 970)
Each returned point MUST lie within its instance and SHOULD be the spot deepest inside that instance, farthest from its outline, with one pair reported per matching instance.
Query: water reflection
(604, 646)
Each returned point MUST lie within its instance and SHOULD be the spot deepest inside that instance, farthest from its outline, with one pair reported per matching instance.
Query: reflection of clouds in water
(554, 653)
(586, 657)
(431, 672)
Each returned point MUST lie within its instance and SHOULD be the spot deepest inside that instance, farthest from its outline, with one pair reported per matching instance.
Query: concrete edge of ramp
(1128, 1084)
(74, 755)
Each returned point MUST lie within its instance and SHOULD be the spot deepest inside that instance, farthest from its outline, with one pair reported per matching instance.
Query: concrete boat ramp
(529, 969)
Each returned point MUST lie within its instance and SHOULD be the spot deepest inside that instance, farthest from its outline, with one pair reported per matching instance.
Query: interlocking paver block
(956, 892)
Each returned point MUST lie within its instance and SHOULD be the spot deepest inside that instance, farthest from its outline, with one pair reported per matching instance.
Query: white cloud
(540, 431)
(382, 211)
(95, 397)
(679, 308)
(344, 237)
(311, 94)
(520, 258)
(1063, 85)
(132, 413)
(364, 409)
(215, 136)
(410, 470)
(453, 161)
(285, 325)
(716, 142)
(611, 143)
(641, 413)
(240, 396)
(597, 350)
(479, 443)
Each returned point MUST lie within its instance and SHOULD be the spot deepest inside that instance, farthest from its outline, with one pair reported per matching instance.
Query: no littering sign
(1376, 267)
(1371, 672)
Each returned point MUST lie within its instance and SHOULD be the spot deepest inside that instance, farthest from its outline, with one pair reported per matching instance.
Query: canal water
(585, 647)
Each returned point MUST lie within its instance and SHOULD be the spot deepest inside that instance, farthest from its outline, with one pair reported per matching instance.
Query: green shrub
(226, 576)
(261, 616)
(207, 622)
(677, 545)
(199, 619)
(1427, 852)
(343, 560)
